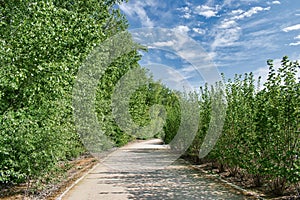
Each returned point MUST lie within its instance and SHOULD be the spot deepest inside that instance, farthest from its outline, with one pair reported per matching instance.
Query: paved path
(143, 171)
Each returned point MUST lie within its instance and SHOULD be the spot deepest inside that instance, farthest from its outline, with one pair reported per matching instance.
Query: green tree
(43, 43)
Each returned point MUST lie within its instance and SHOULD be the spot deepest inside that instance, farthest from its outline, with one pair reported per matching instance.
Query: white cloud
(228, 24)
(226, 37)
(184, 9)
(292, 28)
(212, 55)
(257, 23)
(137, 8)
(129, 10)
(237, 12)
(182, 29)
(146, 21)
(187, 16)
(206, 11)
(188, 69)
(273, 2)
(173, 78)
(163, 44)
(170, 56)
(263, 33)
(297, 37)
(199, 31)
(186, 12)
(297, 42)
(226, 34)
(252, 11)
(294, 43)
(260, 42)
(227, 3)
(229, 32)
(276, 2)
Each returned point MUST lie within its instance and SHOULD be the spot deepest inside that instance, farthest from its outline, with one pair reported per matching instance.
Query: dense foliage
(261, 133)
(42, 45)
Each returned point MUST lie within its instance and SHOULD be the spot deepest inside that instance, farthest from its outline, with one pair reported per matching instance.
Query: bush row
(261, 131)
(42, 45)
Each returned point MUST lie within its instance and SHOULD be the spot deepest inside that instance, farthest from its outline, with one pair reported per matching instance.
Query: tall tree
(43, 43)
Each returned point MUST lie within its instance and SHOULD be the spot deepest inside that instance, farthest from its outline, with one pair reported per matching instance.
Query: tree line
(43, 44)
(261, 133)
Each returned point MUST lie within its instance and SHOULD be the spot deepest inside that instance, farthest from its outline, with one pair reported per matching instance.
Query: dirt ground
(78, 168)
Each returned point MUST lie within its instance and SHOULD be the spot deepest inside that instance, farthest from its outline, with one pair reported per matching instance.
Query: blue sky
(238, 35)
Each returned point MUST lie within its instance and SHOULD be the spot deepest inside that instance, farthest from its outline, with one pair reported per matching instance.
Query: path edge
(75, 183)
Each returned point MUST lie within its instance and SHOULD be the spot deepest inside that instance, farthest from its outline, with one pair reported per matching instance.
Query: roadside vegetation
(261, 134)
(42, 45)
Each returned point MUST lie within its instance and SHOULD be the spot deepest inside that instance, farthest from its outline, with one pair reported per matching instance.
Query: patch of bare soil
(80, 167)
(75, 169)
